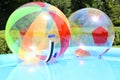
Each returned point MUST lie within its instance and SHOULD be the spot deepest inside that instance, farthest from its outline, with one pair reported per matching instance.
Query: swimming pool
(68, 67)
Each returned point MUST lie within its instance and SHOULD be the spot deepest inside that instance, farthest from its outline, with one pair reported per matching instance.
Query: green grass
(4, 48)
(117, 36)
(118, 46)
(117, 29)
(2, 34)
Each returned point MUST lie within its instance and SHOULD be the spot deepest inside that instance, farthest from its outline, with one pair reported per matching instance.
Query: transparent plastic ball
(37, 31)
(92, 32)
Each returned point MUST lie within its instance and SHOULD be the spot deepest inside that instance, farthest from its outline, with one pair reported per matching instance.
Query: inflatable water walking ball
(92, 31)
(37, 31)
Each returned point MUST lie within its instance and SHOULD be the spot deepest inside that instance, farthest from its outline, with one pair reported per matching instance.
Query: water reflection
(30, 72)
(79, 68)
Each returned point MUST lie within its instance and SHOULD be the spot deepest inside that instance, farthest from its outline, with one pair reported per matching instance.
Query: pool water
(67, 67)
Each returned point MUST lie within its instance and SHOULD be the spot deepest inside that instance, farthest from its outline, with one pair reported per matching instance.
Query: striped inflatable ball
(37, 31)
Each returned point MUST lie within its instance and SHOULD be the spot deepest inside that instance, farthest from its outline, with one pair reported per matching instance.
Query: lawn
(117, 29)
(2, 34)
(117, 46)
(4, 48)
